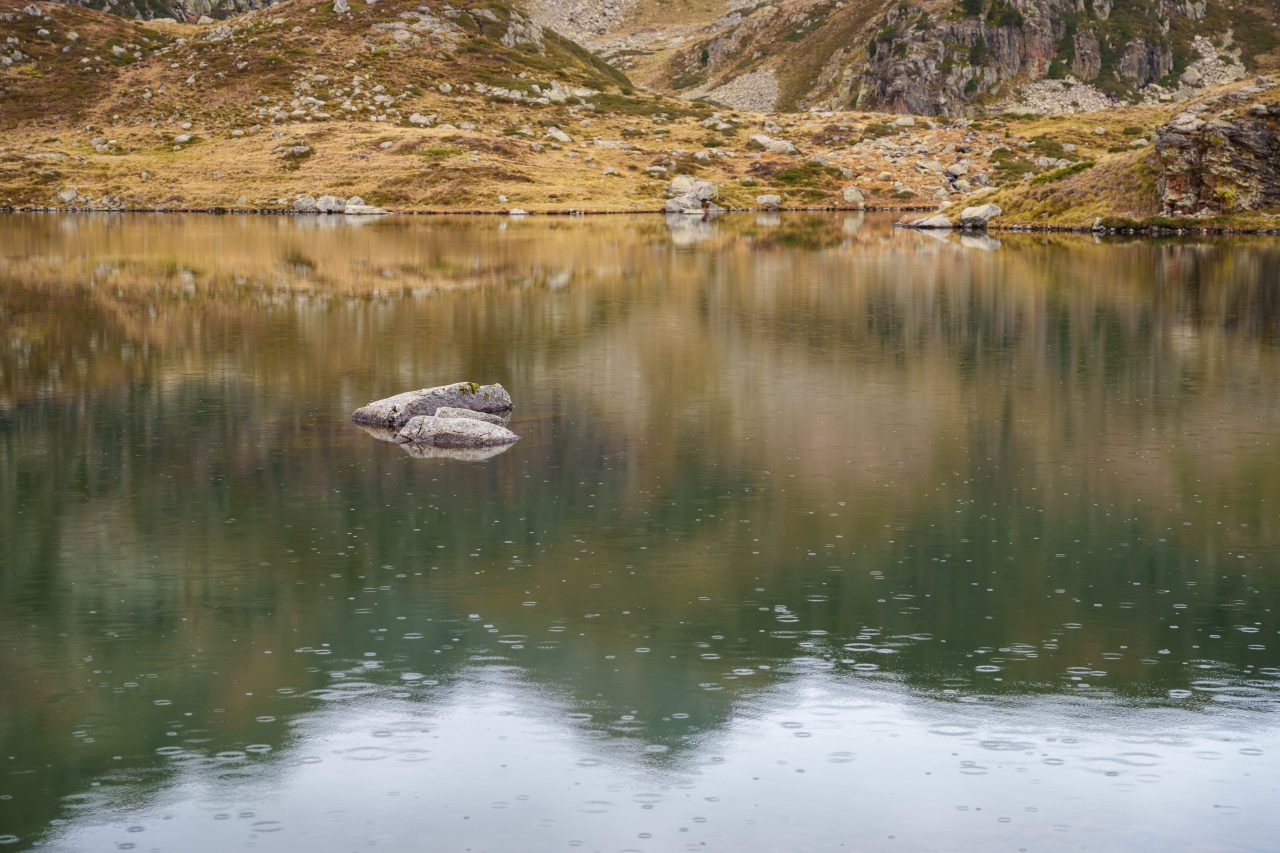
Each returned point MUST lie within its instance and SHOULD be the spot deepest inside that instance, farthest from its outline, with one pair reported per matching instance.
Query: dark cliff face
(182, 10)
(930, 57)
(1228, 162)
(920, 62)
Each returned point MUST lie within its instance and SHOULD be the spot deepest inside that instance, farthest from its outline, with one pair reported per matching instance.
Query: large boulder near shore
(396, 411)
(978, 216)
(455, 432)
(930, 222)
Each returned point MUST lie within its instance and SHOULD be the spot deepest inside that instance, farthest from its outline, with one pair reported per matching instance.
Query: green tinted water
(819, 537)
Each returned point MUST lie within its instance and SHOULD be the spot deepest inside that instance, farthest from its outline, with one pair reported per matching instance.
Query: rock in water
(451, 412)
(936, 221)
(455, 432)
(396, 411)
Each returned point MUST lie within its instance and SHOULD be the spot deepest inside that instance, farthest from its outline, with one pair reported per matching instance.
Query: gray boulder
(854, 196)
(931, 222)
(684, 185)
(979, 216)
(451, 412)
(769, 202)
(330, 204)
(305, 204)
(455, 432)
(760, 142)
(396, 411)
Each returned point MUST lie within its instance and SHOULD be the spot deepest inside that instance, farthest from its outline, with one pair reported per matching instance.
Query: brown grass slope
(434, 106)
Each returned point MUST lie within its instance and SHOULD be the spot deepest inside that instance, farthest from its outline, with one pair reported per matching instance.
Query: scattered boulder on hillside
(760, 142)
(454, 432)
(396, 411)
(769, 201)
(853, 196)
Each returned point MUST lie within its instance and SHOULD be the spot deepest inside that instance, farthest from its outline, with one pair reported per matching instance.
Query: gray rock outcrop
(687, 195)
(761, 142)
(398, 410)
(978, 216)
(451, 412)
(1225, 163)
(853, 196)
(454, 432)
(937, 221)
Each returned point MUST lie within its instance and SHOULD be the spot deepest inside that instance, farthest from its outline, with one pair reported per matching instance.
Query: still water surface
(819, 537)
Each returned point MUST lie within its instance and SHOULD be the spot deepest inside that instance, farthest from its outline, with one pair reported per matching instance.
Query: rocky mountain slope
(939, 57)
(177, 10)
(932, 57)
(469, 105)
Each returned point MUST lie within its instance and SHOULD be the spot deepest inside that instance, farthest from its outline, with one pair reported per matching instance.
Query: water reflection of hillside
(877, 450)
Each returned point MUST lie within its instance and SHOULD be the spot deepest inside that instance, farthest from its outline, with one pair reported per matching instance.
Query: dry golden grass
(486, 153)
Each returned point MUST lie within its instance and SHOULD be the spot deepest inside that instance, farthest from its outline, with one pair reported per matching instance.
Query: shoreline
(1135, 230)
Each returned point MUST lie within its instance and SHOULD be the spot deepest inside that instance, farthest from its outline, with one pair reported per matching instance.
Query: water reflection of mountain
(900, 456)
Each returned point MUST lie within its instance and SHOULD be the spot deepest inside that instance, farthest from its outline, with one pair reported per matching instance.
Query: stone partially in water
(928, 222)
(396, 411)
(455, 432)
(451, 412)
(978, 216)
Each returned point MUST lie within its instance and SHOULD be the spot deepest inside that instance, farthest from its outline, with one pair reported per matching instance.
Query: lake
(820, 536)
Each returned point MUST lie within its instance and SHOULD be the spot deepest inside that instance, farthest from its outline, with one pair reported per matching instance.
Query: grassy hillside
(471, 106)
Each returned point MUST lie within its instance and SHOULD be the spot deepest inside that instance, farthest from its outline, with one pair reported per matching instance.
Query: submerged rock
(455, 432)
(396, 411)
